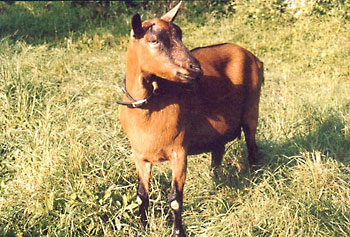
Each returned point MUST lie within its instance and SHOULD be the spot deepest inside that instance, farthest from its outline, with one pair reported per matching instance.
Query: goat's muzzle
(193, 73)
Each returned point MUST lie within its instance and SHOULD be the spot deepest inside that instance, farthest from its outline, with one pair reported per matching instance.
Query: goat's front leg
(178, 165)
(143, 169)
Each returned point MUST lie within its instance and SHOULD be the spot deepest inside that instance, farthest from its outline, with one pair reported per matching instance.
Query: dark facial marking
(159, 35)
(177, 31)
(162, 36)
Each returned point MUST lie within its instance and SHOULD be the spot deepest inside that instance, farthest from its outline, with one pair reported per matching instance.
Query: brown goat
(185, 102)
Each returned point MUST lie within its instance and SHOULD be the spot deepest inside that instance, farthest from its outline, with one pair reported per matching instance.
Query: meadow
(66, 167)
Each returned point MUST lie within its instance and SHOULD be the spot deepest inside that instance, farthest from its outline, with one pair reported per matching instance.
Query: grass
(65, 166)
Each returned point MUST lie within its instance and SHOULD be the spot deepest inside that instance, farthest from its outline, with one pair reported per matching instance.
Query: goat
(185, 102)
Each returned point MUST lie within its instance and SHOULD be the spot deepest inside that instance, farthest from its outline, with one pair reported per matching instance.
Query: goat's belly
(209, 145)
(214, 132)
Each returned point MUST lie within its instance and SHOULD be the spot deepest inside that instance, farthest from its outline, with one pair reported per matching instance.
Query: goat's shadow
(328, 136)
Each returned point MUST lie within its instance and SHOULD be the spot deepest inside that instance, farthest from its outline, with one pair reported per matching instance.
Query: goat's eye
(153, 43)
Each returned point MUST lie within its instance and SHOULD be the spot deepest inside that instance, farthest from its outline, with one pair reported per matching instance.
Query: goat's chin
(186, 78)
(187, 81)
(179, 77)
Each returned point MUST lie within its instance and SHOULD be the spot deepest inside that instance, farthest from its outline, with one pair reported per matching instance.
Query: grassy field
(65, 165)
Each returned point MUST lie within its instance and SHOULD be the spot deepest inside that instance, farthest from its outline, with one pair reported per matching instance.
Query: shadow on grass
(327, 135)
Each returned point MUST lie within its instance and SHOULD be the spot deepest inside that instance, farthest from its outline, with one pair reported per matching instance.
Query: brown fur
(187, 116)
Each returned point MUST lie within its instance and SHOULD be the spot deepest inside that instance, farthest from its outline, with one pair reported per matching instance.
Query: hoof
(241, 167)
(215, 172)
(178, 233)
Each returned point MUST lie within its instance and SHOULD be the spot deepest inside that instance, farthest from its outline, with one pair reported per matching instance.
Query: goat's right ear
(137, 26)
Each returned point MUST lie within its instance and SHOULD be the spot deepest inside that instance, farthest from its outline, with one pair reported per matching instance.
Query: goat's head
(159, 50)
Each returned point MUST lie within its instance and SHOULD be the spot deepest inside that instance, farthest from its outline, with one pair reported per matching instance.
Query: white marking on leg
(139, 200)
(175, 232)
(175, 205)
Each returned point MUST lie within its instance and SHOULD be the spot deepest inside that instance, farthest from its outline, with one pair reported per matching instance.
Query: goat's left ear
(170, 15)
(137, 26)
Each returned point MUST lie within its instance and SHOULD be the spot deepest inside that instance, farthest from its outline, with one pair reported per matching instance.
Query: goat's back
(231, 61)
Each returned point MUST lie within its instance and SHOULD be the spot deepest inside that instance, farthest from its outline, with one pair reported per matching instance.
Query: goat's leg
(143, 169)
(250, 119)
(216, 158)
(249, 133)
(178, 166)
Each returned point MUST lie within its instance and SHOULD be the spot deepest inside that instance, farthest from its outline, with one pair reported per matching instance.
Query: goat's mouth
(186, 78)
(193, 74)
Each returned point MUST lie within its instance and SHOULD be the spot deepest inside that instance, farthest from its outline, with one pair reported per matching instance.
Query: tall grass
(65, 164)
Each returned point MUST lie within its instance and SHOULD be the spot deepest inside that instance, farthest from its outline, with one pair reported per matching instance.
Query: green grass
(65, 165)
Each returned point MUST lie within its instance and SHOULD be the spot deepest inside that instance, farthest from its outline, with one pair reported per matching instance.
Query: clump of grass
(65, 166)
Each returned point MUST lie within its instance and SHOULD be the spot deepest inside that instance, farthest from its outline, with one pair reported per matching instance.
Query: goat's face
(160, 51)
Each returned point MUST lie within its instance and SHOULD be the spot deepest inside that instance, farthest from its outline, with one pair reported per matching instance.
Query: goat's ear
(170, 15)
(137, 26)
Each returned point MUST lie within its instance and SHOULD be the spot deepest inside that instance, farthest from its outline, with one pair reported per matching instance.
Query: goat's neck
(137, 87)
(137, 83)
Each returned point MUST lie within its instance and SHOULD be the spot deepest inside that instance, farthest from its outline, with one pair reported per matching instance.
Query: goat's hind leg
(251, 113)
(217, 155)
(216, 159)
(249, 133)
(250, 123)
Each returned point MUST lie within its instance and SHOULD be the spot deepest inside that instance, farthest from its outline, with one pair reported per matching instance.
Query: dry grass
(65, 166)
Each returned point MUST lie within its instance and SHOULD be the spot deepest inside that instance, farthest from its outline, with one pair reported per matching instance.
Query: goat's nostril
(194, 67)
